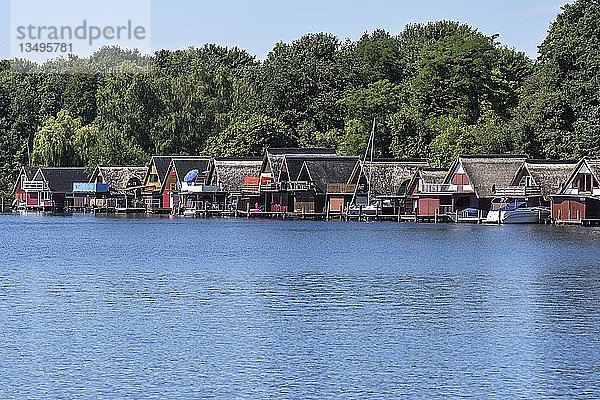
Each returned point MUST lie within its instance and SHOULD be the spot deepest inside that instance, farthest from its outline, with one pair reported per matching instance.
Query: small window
(153, 178)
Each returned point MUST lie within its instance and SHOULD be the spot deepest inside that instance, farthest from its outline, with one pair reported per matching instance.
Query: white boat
(371, 209)
(518, 213)
(365, 205)
(189, 212)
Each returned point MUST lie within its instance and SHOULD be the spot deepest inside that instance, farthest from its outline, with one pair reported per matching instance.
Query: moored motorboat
(518, 213)
(371, 209)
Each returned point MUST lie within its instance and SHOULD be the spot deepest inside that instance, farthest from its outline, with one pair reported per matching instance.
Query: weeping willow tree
(52, 145)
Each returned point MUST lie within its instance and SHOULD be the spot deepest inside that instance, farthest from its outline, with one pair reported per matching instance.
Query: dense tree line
(435, 90)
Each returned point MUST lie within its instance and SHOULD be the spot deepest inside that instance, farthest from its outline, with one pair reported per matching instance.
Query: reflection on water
(155, 308)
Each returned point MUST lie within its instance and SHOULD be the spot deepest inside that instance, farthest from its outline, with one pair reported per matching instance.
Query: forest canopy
(435, 90)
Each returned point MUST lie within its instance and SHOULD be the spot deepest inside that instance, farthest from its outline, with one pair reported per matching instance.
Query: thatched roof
(433, 175)
(61, 179)
(229, 173)
(593, 164)
(550, 176)
(328, 170)
(390, 177)
(120, 178)
(427, 176)
(488, 171)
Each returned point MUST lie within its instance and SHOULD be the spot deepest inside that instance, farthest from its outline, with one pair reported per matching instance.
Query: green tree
(52, 144)
(250, 137)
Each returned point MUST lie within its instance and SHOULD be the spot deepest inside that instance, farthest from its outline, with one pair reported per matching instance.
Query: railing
(438, 188)
(198, 188)
(300, 186)
(35, 186)
(340, 188)
(103, 203)
(250, 188)
(518, 191)
(271, 186)
(153, 203)
(85, 187)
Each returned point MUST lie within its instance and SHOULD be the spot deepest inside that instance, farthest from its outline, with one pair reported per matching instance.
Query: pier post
(248, 210)
(327, 212)
(435, 218)
(360, 213)
(2, 209)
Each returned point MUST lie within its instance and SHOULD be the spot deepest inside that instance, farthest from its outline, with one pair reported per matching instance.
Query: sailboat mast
(362, 162)
(372, 145)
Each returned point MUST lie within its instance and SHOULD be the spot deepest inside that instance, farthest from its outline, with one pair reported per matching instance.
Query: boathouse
(51, 189)
(189, 176)
(154, 182)
(323, 184)
(110, 189)
(472, 180)
(536, 181)
(427, 196)
(578, 200)
(26, 173)
(279, 167)
(238, 178)
(389, 180)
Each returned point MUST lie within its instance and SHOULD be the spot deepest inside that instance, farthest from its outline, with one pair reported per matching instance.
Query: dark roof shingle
(61, 179)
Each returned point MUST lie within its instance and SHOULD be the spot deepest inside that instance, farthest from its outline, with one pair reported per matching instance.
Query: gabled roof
(182, 166)
(61, 179)
(119, 178)
(549, 175)
(431, 176)
(162, 164)
(327, 170)
(487, 171)
(229, 173)
(390, 177)
(276, 159)
(593, 164)
(27, 172)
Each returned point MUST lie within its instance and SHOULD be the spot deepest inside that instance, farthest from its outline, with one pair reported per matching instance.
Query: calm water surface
(157, 308)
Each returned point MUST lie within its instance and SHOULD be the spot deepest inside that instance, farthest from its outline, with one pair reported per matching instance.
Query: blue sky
(257, 25)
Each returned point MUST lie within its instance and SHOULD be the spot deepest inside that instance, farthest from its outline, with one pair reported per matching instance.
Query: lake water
(179, 309)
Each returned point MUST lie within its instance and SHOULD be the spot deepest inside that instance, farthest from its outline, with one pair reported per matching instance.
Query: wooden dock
(582, 222)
